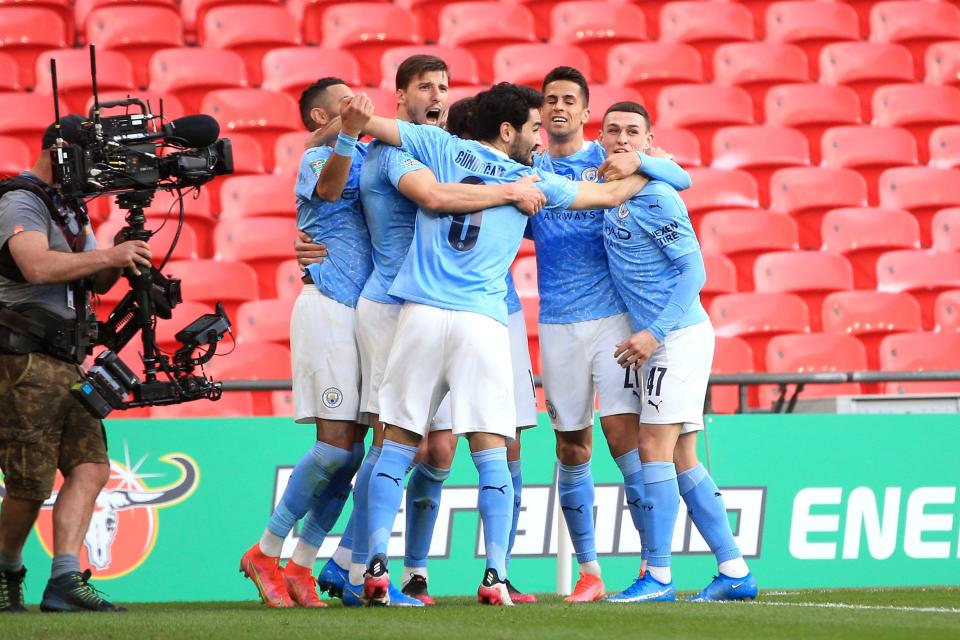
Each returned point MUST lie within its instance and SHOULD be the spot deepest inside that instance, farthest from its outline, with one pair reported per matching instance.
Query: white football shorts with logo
(524, 390)
(376, 327)
(675, 378)
(436, 351)
(578, 363)
(326, 362)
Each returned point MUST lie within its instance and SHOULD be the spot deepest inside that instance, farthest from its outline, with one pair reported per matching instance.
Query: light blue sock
(495, 502)
(709, 514)
(423, 506)
(575, 484)
(632, 471)
(306, 486)
(661, 504)
(361, 490)
(325, 513)
(514, 466)
(384, 495)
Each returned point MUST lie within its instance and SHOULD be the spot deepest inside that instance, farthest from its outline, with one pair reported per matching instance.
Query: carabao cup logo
(125, 522)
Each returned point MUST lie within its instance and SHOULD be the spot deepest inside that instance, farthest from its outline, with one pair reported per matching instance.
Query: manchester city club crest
(551, 410)
(589, 174)
(332, 397)
(623, 211)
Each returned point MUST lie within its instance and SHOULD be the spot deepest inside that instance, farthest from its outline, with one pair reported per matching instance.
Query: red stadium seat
(721, 277)
(282, 403)
(251, 30)
(257, 112)
(681, 143)
(811, 26)
(25, 116)
(869, 150)
(921, 191)
(542, 11)
(807, 193)
(73, 75)
(524, 271)
(254, 361)
(527, 248)
(809, 274)
(26, 32)
(704, 108)
(63, 8)
(194, 13)
(366, 30)
(946, 229)
(757, 66)
(15, 156)
(602, 96)
(596, 27)
(264, 321)
(862, 235)
(247, 160)
(212, 281)
(921, 108)
(462, 65)
(183, 314)
(289, 279)
(384, 100)
(263, 243)
(757, 317)
(292, 69)
(864, 66)
(814, 353)
(761, 150)
(165, 230)
(923, 274)
(945, 147)
(287, 153)
(648, 67)
(9, 74)
(83, 8)
(136, 32)
(730, 355)
(309, 14)
(426, 16)
(947, 311)
(744, 234)
(190, 73)
(717, 189)
(233, 404)
(706, 25)
(483, 27)
(527, 64)
(812, 109)
(258, 196)
(916, 25)
(943, 63)
(870, 316)
(196, 210)
(920, 352)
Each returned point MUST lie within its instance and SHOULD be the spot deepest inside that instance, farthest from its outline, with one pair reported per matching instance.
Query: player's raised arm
(422, 187)
(336, 170)
(606, 195)
(360, 108)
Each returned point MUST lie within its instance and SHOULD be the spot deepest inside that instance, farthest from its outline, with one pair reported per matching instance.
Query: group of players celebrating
(410, 325)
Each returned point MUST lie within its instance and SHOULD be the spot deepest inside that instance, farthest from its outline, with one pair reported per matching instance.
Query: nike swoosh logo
(737, 586)
(650, 596)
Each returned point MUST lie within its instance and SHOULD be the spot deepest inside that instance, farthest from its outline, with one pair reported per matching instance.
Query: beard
(519, 152)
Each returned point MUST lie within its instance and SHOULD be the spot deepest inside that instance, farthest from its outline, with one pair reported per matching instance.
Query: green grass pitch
(875, 614)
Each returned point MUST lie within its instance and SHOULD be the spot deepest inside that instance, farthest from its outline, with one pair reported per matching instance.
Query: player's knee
(92, 476)
(685, 453)
(571, 452)
(440, 451)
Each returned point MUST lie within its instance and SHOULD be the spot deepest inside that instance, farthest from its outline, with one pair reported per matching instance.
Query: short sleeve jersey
(339, 225)
(643, 237)
(461, 262)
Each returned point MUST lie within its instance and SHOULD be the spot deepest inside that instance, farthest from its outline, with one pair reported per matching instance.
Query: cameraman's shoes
(72, 592)
(11, 591)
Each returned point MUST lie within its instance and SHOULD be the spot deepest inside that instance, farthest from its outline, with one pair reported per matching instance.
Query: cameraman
(48, 265)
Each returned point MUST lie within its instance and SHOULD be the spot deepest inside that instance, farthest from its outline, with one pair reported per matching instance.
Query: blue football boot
(724, 588)
(332, 579)
(352, 594)
(399, 599)
(646, 588)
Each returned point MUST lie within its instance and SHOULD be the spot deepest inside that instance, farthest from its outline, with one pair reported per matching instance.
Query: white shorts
(675, 378)
(326, 363)
(436, 351)
(524, 389)
(578, 363)
(376, 326)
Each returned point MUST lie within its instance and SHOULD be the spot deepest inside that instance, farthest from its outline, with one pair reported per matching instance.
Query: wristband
(345, 145)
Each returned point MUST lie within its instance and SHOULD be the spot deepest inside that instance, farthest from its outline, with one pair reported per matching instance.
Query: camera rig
(133, 155)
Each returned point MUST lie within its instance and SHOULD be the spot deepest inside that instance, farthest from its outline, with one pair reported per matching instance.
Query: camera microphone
(196, 131)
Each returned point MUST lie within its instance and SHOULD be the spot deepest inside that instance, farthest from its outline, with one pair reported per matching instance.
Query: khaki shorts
(42, 427)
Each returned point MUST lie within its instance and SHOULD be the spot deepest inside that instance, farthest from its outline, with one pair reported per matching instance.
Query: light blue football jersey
(643, 238)
(513, 300)
(461, 262)
(390, 216)
(339, 225)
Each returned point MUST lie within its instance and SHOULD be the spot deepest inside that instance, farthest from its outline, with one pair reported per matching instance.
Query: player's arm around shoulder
(606, 195)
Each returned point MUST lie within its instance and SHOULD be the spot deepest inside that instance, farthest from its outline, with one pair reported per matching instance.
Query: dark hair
(571, 75)
(417, 65)
(311, 96)
(501, 103)
(460, 118)
(629, 107)
(69, 131)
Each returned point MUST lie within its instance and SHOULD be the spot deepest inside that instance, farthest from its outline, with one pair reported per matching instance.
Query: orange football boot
(589, 588)
(302, 586)
(267, 574)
